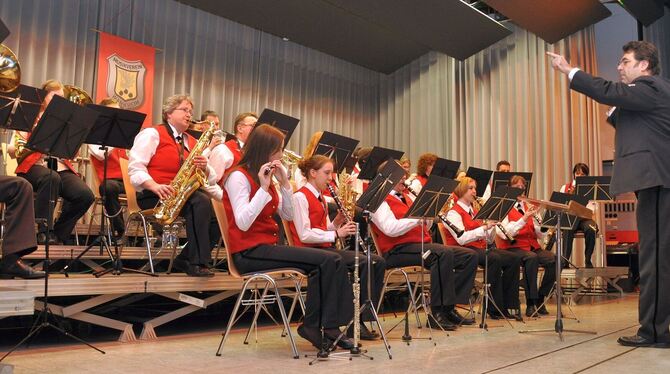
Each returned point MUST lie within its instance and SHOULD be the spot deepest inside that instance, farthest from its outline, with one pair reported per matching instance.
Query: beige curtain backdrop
(503, 103)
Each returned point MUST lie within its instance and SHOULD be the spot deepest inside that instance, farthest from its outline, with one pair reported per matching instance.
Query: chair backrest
(96, 179)
(375, 241)
(10, 162)
(444, 233)
(221, 217)
(287, 232)
(130, 190)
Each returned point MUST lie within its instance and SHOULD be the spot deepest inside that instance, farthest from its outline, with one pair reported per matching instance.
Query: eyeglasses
(185, 110)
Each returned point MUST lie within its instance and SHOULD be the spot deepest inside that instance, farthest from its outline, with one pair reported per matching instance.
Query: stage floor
(468, 350)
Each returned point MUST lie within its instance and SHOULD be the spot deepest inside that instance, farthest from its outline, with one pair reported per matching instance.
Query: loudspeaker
(645, 11)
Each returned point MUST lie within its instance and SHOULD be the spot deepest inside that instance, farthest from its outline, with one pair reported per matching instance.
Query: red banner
(126, 73)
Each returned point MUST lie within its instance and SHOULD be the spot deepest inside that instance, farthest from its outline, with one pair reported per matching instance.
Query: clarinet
(347, 217)
(507, 235)
(441, 216)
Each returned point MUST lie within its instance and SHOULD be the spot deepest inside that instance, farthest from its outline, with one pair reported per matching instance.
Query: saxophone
(20, 150)
(188, 179)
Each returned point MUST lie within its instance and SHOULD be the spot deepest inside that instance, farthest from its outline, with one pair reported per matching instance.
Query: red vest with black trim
(235, 149)
(525, 238)
(264, 230)
(31, 159)
(318, 213)
(569, 188)
(164, 164)
(113, 166)
(399, 209)
(469, 224)
(422, 179)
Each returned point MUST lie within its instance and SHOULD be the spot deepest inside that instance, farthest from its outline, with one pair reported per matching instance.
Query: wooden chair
(267, 278)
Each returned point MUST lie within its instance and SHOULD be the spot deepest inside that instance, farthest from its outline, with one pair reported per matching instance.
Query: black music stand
(114, 128)
(59, 133)
(376, 157)
(4, 31)
(570, 221)
(285, 123)
(596, 189)
(501, 179)
(445, 168)
(19, 108)
(561, 210)
(481, 176)
(495, 209)
(337, 147)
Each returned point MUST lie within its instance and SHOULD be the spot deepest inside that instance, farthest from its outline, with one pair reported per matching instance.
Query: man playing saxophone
(156, 157)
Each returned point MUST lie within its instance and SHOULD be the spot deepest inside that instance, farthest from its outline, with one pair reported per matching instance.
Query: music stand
(495, 209)
(4, 31)
(286, 124)
(19, 108)
(561, 210)
(481, 176)
(445, 168)
(114, 128)
(337, 147)
(501, 179)
(59, 133)
(596, 189)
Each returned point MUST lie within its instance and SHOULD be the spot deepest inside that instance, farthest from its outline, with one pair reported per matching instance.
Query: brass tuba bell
(77, 95)
(10, 71)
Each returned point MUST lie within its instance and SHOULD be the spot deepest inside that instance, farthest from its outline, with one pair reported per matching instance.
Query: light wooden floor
(469, 350)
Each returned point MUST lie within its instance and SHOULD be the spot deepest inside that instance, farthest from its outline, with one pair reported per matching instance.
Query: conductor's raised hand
(558, 62)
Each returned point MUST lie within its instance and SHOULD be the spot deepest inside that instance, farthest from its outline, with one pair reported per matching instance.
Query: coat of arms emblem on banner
(125, 81)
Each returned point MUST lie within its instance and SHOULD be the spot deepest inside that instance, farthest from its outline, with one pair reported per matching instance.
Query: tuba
(188, 179)
(77, 95)
(10, 70)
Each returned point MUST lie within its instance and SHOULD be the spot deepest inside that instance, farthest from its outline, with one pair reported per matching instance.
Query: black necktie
(520, 209)
(402, 198)
(472, 214)
(180, 142)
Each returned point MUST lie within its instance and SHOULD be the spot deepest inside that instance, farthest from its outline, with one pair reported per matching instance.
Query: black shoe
(542, 309)
(19, 269)
(638, 341)
(313, 335)
(493, 314)
(181, 264)
(588, 265)
(344, 342)
(530, 310)
(42, 238)
(366, 334)
(443, 322)
(199, 271)
(458, 319)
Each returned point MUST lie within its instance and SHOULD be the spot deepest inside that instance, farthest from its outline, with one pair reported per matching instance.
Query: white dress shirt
(513, 227)
(144, 148)
(391, 226)
(303, 227)
(468, 236)
(221, 159)
(246, 210)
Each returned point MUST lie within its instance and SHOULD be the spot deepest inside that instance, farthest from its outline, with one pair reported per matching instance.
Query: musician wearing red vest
(63, 179)
(225, 156)
(155, 159)
(114, 183)
(423, 169)
(251, 200)
(311, 227)
(503, 266)
(522, 226)
(452, 269)
(502, 166)
(587, 226)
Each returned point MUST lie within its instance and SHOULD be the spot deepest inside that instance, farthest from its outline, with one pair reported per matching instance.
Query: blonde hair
(463, 186)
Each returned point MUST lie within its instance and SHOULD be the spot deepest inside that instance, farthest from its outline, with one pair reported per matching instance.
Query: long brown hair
(261, 144)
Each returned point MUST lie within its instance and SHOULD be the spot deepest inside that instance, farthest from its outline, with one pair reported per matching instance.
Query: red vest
(113, 167)
(318, 214)
(569, 188)
(422, 179)
(469, 224)
(164, 165)
(525, 238)
(386, 243)
(30, 160)
(264, 230)
(234, 147)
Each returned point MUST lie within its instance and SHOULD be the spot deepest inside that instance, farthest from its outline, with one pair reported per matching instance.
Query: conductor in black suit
(641, 164)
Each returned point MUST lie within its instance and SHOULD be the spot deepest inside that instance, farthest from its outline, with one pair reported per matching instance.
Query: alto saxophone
(188, 179)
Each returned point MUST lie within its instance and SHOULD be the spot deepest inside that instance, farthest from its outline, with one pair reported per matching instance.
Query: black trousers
(329, 294)
(198, 213)
(503, 275)
(77, 197)
(452, 270)
(17, 194)
(377, 280)
(653, 224)
(588, 227)
(531, 261)
(113, 188)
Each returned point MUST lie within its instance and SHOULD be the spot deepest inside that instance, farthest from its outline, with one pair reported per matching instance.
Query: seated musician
(63, 181)
(298, 178)
(113, 186)
(452, 269)
(311, 227)
(225, 156)
(521, 225)
(251, 199)
(17, 194)
(423, 169)
(587, 226)
(502, 166)
(156, 156)
(503, 267)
